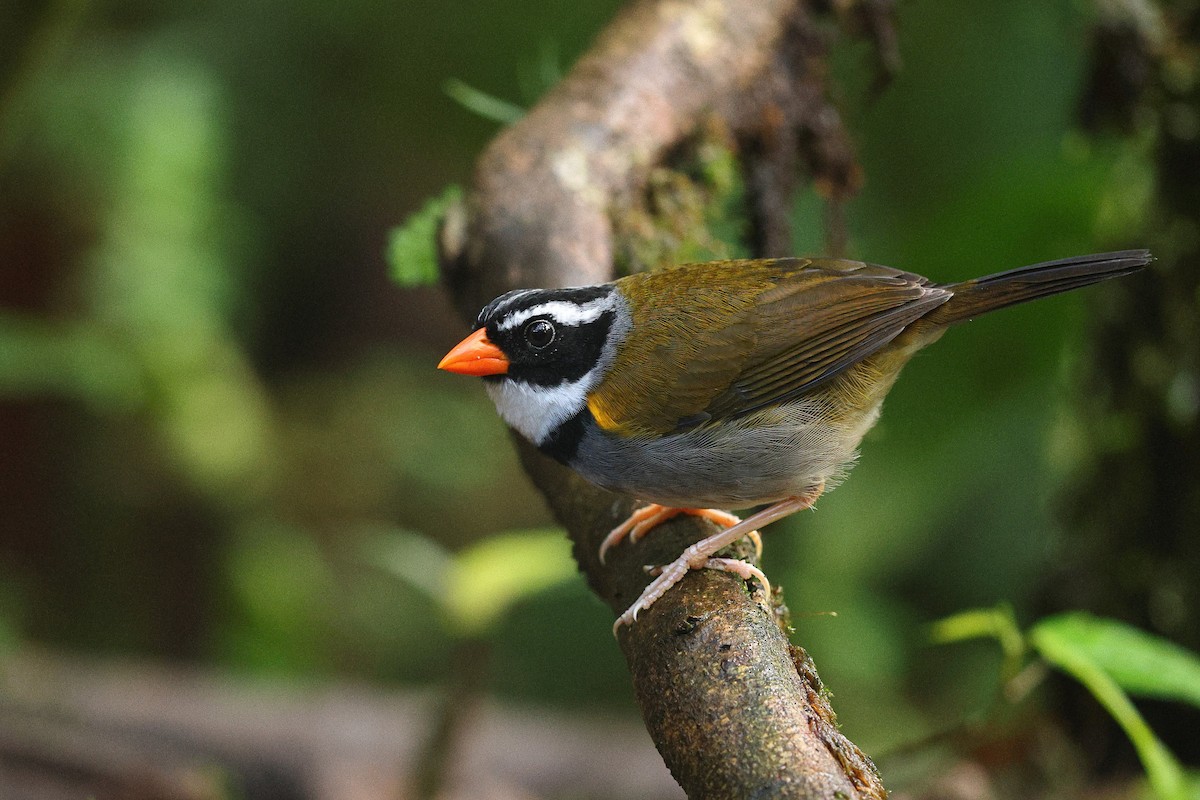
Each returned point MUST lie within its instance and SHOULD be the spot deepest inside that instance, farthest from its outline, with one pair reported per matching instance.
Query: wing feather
(722, 340)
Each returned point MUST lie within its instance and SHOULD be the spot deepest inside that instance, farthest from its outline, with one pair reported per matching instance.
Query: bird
(726, 385)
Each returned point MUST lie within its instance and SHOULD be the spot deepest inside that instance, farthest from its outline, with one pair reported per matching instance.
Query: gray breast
(766, 456)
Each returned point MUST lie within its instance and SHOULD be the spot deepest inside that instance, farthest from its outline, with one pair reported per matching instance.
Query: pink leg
(699, 554)
(646, 518)
(727, 520)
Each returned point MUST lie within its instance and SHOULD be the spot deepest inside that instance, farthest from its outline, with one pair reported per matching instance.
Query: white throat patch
(535, 411)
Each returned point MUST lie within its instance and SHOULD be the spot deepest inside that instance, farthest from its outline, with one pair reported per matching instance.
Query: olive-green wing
(693, 326)
(723, 339)
(818, 321)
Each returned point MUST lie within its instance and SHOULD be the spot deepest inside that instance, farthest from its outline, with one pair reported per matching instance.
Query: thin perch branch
(734, 709)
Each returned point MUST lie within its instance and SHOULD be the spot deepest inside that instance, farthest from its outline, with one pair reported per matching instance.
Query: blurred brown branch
(104, 729)
(735, 710)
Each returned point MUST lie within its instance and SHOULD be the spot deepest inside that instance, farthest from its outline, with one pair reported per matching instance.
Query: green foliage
(1140, 663)
(997, 623)
(536, 76)
(478, 585)
(721, 177)
(283, 588)
(1063, 646)
(692, 211)
(481, 103)
(412, 246)
(184, 179)
(490, 577)
(1110, 659)
(79, 361)
(57, 26)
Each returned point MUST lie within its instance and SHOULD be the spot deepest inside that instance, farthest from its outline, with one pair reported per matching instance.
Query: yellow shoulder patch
(602, 415)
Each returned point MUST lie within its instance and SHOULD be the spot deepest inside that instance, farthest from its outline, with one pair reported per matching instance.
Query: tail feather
(981, 295)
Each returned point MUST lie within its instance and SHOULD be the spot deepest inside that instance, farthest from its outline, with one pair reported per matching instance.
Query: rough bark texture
(735, 710)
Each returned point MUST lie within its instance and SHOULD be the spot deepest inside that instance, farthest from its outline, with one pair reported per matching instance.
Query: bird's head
(540, 351)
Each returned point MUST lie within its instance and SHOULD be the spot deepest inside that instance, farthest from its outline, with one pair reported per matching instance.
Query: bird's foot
(695, 557)
(701, 555)
(646, 518)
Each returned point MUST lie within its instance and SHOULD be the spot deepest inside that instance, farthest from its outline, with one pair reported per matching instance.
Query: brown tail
(975, 297)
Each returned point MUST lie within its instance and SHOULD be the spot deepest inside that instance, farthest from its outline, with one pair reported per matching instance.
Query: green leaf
(412, 251)
(994, 623)
(1140, 663)
(487, 579)
(477, 586)
(414, 558)
(997, 623)
(485, 105)
(1068, 642)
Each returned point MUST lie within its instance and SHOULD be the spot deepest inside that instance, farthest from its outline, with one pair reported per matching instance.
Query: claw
(701, 555)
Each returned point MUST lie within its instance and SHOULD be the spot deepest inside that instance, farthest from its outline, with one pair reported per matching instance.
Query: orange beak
(475, 355)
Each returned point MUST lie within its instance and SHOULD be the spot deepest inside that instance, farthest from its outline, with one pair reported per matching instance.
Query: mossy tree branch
(734, 708)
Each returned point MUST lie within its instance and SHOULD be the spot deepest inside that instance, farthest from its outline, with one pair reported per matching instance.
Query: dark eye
(539, 333)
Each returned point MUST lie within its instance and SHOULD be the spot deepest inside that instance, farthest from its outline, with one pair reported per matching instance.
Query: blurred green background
(220, 421)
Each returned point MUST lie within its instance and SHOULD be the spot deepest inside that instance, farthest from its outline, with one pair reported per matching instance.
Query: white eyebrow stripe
(563, 312)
